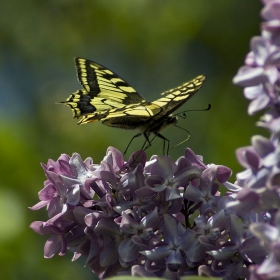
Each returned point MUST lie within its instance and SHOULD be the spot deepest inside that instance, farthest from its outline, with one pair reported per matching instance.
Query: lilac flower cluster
(260, 75)
(146, 218)
(258, 200)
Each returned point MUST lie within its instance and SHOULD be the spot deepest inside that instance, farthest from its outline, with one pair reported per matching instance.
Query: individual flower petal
(114, 158)
(258, 104)
(259, 46)
(264, 232)
(128, 250)
(224, 253)
(194, 159)
(157, 253)
(254, 92)
(53, 245)
(248, 77)
(248, 157)
(262, 145)
(78, 167)
(223, 173)
(109, 255)
(271, 11)
(247, 200)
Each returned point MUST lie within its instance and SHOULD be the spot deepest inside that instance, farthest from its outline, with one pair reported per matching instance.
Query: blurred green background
(154, 45)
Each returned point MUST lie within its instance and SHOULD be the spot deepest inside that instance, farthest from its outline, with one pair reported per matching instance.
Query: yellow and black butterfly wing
(103, 91)
(174, 98)
(151, 116)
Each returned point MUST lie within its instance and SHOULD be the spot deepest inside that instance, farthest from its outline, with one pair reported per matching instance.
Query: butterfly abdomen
(124, 122)
(141, 123)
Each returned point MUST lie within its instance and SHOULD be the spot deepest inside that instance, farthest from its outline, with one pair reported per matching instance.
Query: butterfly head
(171, 120)
(167, 121)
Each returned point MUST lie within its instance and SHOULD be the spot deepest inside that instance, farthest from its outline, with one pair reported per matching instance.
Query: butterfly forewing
(176, 97)
(103, 90)
(104, 83)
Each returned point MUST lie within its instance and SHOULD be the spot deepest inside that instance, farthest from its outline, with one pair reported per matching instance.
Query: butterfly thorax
(156, 125)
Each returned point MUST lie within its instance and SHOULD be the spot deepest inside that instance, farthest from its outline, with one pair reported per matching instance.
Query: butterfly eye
(173, 120)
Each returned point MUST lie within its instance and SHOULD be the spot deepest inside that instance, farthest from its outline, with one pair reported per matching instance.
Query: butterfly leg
(135, 136)
(164, 140)
(145, 147)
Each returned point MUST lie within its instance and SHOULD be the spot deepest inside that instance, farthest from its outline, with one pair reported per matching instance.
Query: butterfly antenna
(183, 114)
(189, 135)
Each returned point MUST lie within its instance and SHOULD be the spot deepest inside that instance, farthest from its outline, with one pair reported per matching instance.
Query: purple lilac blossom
(257, 202)
(156, 217)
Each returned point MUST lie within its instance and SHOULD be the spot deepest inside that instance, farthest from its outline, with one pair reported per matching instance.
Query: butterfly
(106, 97)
